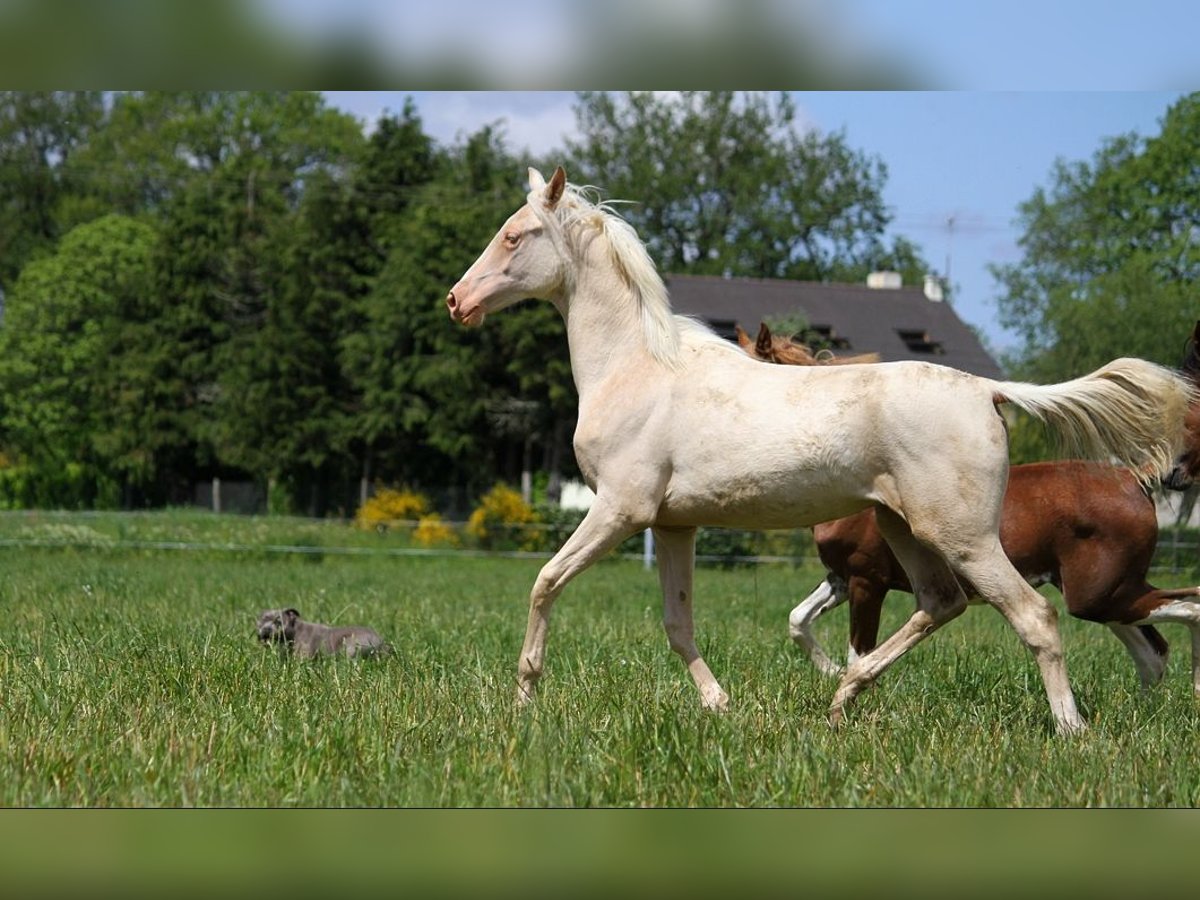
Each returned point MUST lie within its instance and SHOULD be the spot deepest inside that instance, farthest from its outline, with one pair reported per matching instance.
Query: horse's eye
(512, 238)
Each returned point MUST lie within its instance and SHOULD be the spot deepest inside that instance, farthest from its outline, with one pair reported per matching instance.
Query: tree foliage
(723, 183)
(75, 364)
(1111, 255)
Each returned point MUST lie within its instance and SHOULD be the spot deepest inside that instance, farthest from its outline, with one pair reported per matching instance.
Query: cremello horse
(656, 440)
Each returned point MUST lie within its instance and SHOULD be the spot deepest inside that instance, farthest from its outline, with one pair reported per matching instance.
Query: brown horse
(1089, 529)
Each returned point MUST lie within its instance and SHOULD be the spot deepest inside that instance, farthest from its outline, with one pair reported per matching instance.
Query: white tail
(1130, 411)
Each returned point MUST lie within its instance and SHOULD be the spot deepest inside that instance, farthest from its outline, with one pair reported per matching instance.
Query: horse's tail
(1130, 411)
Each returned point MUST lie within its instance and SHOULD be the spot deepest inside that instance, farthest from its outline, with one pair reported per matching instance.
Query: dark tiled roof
(896, 323)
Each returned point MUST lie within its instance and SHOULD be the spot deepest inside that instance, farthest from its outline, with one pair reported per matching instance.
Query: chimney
(880, 281)
(933, 289)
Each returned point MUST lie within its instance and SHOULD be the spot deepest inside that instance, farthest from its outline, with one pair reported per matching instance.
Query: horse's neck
(604, 329)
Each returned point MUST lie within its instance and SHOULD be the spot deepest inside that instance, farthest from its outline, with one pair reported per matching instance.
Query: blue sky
(973, 156)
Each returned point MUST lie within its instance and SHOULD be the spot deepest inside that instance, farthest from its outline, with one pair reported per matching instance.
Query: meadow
(130, 676)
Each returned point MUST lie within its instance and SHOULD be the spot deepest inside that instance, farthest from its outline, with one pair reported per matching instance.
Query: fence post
(648, 548)
(216, 494)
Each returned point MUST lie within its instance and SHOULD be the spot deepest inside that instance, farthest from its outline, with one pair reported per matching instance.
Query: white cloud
(533, 122)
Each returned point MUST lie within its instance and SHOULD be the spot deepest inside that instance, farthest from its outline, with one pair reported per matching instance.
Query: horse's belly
(755, 504)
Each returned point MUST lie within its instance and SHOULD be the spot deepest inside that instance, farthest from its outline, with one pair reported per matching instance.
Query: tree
(76, 366)
(267, 255)
(1111, 258)
(40, 132)
(424, 385)
(726, 183)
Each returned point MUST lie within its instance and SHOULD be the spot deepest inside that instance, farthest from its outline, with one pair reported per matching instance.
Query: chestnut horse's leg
(829, 594)
(866, 604)
(602, 529)
(1175, 605)
(675, 550)
(1150, 663)
(939, 597)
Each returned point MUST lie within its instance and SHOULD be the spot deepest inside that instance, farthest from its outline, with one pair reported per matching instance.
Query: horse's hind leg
(939, 599)
(1033, 618)
(601, 530)
(675, 550)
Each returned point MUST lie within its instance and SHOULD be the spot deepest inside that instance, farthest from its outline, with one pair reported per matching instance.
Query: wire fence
(1178, 549)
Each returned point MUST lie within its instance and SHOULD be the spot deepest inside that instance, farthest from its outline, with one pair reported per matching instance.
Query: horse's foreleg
(1176, 605)
(824, 598)
(601, 530)
(675, 550)
(866, 604)
(1149, 662)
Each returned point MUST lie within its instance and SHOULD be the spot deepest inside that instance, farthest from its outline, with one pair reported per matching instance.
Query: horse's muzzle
(452, 306)
(1177, 480)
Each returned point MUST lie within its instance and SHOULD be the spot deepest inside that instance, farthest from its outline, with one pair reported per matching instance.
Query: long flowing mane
(663, 330)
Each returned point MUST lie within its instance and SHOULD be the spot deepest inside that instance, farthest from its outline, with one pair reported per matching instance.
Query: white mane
(664, 331)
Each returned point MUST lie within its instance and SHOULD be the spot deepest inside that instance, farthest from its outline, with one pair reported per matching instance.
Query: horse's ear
(763, 346)
(743, 339)
(536, 181)
(554, 190)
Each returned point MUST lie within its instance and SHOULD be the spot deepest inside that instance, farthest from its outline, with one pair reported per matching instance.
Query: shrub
(389, 506)
(557, 524)
(501, 519)
(433, 532)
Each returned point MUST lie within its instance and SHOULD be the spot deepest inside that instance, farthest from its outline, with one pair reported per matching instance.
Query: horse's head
(773, 349)
(1187, 465)
(521, 261)
(785, 351)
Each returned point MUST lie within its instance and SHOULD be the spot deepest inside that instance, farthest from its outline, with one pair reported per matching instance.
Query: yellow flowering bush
(498, 522)
(390, 505)
(433, 532)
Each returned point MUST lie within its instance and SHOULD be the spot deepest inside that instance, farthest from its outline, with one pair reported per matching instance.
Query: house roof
(897, 323)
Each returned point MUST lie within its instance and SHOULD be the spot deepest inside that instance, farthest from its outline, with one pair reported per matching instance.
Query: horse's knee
(680, 636)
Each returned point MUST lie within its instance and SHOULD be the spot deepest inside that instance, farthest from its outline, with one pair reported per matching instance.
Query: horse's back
(788, 446)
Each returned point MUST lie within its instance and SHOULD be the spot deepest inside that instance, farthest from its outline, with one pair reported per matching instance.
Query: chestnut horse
(924, 445)
(1089, 529)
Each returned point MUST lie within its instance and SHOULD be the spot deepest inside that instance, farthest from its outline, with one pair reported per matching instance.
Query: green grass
(133, 678)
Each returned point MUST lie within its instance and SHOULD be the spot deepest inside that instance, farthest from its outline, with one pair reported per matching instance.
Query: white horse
(678, 428)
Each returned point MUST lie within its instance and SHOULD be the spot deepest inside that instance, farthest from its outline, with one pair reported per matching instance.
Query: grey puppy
(309, 639)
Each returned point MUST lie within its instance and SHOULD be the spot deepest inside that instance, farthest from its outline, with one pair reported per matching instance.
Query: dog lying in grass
(310, 639)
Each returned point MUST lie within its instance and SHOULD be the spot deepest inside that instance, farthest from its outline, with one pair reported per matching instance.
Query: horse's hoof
(1071, 727)
(835, 718)
(717, 702)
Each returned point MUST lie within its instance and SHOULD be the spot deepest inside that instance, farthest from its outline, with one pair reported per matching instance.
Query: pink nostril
(451, 301)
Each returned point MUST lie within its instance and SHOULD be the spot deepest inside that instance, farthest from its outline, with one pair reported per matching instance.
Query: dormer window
(825, 336)
(919, 341)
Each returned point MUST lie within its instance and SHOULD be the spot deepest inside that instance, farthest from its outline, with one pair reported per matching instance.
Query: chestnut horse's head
(1187, 466)
(523, 260)
(785, 351)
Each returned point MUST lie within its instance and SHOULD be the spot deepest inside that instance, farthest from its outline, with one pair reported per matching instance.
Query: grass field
(131, 677)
